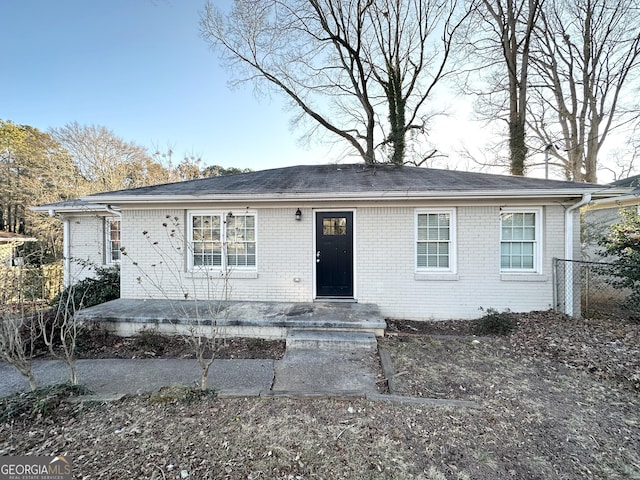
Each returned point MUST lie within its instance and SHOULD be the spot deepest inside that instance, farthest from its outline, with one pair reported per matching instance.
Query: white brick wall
(159, 269)
(86, 247)
(390, 280)
(155, 264)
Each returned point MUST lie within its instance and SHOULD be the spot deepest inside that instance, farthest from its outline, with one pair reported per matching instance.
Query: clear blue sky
(139, 68)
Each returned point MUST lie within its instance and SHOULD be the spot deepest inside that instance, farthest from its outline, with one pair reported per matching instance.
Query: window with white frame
(520, 240)
(112, 240)
(222, 240)
(435, 240)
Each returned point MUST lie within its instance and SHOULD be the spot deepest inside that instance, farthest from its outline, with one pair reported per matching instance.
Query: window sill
(436, 277)
(216, 274)
(523, 277)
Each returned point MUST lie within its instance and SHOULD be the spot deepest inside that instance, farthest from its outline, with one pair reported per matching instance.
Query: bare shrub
(202, 329)
(18, 336)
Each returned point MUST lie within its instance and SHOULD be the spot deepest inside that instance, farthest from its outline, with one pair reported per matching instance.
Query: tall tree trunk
(517, 146)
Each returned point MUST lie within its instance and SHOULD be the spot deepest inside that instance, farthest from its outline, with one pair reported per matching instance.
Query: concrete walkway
(299, 372)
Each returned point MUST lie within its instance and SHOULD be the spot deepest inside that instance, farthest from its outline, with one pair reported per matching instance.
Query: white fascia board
(72, 209)
(365, 196)
(615, 202)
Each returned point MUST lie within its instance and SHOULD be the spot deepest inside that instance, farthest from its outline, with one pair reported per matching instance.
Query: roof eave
(364, 196)
(90, 208)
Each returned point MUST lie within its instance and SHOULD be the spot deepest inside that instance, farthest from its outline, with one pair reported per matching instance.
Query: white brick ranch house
(420, 243)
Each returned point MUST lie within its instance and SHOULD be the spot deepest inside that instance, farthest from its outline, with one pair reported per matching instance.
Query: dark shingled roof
(348, 179)
(627, 182)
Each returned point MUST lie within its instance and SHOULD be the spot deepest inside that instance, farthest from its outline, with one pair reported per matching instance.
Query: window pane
(516, 249)
(529, 219)
(529, 233)
(517, 234)
(334, 226)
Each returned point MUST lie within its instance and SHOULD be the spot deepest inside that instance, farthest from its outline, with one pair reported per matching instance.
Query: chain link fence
(591, 289)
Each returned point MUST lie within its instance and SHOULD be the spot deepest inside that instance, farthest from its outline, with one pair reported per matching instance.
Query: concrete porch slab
(235, 318)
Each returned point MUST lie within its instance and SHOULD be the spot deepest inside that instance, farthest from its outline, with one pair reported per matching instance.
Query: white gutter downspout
(568, 252)
(66, 241)
(66, 250)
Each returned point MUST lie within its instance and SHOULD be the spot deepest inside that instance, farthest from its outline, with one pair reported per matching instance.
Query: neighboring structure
(420, 243)
(600, 214)
(9, 243)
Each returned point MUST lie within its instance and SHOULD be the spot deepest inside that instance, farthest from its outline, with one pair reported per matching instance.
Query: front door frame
(353, 251)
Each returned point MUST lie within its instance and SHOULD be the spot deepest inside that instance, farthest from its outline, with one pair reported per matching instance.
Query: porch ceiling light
(298, 215)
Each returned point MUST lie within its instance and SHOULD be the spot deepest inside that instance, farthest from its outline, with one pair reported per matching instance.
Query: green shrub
(494, 322)
(90, 291)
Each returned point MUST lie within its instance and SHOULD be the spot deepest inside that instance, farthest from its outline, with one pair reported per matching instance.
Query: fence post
(554, 282)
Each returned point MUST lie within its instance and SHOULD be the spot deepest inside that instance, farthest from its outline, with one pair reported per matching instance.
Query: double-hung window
(520, 234)
(435, 240)
(206, 240)
(241, 241)
(112, 240)
(222, 240)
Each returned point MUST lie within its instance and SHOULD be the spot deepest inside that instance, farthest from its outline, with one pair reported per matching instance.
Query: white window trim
(453, 242)
(107, 240)
(537, 243)
(223, 268)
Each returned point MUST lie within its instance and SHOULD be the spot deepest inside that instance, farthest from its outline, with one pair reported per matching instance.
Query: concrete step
(299, 338)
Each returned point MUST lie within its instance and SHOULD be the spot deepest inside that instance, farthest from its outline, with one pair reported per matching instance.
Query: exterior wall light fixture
(298, 215)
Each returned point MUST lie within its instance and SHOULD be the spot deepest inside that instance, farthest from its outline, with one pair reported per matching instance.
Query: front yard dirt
(559, 400)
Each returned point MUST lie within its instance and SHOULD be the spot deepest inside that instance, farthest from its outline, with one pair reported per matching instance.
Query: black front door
(334, 254)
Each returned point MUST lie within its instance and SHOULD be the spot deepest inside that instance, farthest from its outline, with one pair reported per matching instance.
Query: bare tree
(60, 331)
(502, 45)
(586, 66)
(344, 64)
(104, 159)
(18, 335)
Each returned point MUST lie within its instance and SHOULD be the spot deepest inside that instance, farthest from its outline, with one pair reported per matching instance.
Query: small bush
(90, 291)
(43, 401)
(494, 322)
(151, 340)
